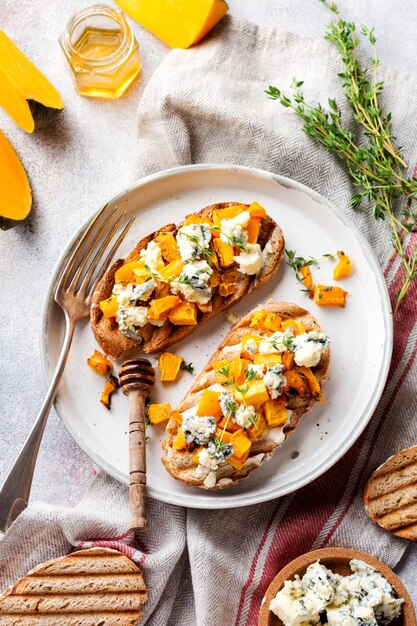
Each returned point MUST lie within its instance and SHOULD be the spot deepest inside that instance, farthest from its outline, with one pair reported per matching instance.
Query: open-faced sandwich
(250, 397)
(178, 277)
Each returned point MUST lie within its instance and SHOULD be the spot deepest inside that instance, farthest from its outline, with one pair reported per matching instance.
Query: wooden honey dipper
(137, 377)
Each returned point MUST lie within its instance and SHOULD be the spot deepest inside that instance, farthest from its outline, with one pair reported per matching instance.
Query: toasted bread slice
(91, 587)
(390, 495)
(180, 464)
(153, 339)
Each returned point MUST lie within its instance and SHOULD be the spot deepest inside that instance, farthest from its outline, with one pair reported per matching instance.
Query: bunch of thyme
(376, 166)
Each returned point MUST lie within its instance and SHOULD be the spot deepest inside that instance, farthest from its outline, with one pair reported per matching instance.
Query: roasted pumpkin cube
(241, 445)
(227, 213)
(159, 412)
(171, 271)
(192, 218)
(160, 307)
(125, 274)
(306, 277)
(267, 359)
(110, 387)
(179, 441)
(344, 266)
(257, 430)
(109, 307)
(313, 383)
(226, 289)
(184, 314)
(100, 363)
(168, 245)
(267, 321)
(329, 296)
(295, 381)
(239, 366)
(275, 413)
(288, 360)
(209, 403)
(234, 462)
(223, 435)
(169, 366)
(224, 371)
(256, 394)
(298, 328)
(140, 273)
(253, 229)
(256, 210)
(224, 252)
(228, 424)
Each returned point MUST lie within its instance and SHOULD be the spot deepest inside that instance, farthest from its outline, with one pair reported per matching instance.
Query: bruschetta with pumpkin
(179, 277)
(265, 375)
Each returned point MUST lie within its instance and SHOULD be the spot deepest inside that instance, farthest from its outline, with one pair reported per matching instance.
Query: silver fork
(73, 293)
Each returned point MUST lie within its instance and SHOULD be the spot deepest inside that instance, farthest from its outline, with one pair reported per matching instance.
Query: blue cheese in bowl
(365, 598)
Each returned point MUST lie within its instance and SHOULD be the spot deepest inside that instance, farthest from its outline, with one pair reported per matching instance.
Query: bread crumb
(232, 319)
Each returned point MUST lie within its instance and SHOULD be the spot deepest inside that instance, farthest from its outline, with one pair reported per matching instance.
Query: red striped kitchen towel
(211, 568)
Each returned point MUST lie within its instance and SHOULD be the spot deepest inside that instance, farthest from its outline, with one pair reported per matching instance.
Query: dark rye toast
(152, 338)
(390, 495)
(86, 588)
(180, 464)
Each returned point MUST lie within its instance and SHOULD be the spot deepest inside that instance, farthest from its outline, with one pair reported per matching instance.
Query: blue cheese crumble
(365, 598)
(309, 348)
(250, 259)
(193, 282)
(131, 317)
(193, 240)
(232, 230)
(275, 380)
(198, 429)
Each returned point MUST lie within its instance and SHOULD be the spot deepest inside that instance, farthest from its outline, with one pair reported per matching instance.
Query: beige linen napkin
(211, 568)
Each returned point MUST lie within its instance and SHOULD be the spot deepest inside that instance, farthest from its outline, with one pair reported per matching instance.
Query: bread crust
(180, 464)
(390, 495)
(154, 339)
(87, 587)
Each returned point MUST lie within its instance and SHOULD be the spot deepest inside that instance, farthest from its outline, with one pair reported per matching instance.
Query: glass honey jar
(102, 52)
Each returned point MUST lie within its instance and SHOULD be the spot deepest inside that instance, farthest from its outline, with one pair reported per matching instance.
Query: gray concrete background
(77, 163)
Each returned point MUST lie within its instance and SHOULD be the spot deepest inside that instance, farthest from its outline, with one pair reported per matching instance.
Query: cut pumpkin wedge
(25, 94)
(15, 193)
(178, 23)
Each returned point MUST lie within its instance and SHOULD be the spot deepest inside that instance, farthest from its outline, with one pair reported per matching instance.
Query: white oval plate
(361, 336)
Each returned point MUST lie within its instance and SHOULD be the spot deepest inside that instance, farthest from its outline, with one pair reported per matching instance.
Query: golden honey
(102, 52)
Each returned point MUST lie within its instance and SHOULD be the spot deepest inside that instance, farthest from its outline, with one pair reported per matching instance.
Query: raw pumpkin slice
(179, 24)
(15, 193)
(25, 94)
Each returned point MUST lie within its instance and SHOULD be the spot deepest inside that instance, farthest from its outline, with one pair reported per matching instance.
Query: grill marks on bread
(390, 495)
(95, 587)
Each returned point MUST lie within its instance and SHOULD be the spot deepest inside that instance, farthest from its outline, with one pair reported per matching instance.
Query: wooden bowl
(336, 559)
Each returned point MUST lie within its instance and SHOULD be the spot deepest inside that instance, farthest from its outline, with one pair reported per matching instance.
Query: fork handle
(14, 494)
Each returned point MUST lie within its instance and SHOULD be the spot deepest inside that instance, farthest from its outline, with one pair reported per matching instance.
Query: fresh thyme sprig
(205, 251)
(376, 166)
(236, 241)
(188, 367)
(225, 371)
(298, 262)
